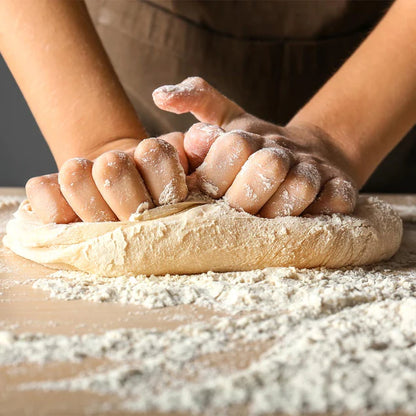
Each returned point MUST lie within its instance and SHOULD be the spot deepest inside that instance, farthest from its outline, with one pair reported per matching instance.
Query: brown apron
(268, 56)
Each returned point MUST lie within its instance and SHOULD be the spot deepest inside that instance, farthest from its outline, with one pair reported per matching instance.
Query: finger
(337, 196)
(176, 139)
(196, 96)
(81, 192)
(198, 140)
(259, 179)
(119, 182)
(163, 174)
(296, 192)
(223, 162)
(47, 201)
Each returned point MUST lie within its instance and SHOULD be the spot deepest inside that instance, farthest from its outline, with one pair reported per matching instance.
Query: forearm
(57, 59)
(370, 103)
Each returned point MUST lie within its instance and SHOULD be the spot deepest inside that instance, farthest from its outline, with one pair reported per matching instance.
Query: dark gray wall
(23, 152)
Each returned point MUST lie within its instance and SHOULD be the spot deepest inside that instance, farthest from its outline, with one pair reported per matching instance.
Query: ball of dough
(192, 237)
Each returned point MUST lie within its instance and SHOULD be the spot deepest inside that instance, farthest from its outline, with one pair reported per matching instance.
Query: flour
(407, 212)
(337, 347)
(267, 183)
(328, 340)
(144, 206)
(231, 292)
(7, 206)
(340, 340)
(170, 193)
(190, 86)
(208, 187)
(250, 194)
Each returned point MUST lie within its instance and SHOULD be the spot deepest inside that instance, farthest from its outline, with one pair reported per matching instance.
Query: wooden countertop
(24, 309)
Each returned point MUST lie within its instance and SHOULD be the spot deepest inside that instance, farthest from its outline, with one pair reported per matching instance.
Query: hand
(257, 166)
(112, 186)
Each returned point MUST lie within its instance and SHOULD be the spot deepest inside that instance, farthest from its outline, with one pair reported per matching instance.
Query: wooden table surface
(29, 310)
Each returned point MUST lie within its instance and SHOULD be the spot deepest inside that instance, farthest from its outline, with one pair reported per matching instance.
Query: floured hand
(258, 166)
(114, 185)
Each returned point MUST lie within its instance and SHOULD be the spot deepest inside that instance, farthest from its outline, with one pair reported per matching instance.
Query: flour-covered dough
(194, 237)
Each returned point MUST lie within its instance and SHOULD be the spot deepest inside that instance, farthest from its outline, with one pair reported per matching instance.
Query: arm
(369, 105)
(331, 146)
(57, 59)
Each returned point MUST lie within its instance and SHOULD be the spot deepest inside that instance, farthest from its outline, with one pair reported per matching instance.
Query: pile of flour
(328, 340)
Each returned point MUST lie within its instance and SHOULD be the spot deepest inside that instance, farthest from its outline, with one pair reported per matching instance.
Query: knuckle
(243, 134)
(73, 170)
(45, 183)
(276, 160)
(276, 154)
(308, 174)
(75, 165)
(342, 194)
(111, 164)
(205, 129)
(196, 82)
(112, 160)
(114, 156)
(153, 149)
(47, 201)
(197, 127)
(34, 183)
(237, 142)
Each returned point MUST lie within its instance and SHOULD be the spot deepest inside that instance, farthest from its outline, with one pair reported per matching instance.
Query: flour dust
(328, 340)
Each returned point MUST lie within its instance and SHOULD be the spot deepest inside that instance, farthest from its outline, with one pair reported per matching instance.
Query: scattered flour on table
(406, 212)
(333, 340)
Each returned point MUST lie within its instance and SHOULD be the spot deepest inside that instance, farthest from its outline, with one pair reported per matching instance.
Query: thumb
(196, 96)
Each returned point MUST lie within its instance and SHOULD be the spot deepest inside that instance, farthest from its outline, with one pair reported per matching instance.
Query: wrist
(340, 151)
(347, 153)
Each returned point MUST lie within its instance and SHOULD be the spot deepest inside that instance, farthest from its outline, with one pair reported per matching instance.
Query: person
(270, 55)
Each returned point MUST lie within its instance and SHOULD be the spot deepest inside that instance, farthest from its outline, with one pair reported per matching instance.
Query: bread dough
(195, 237)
